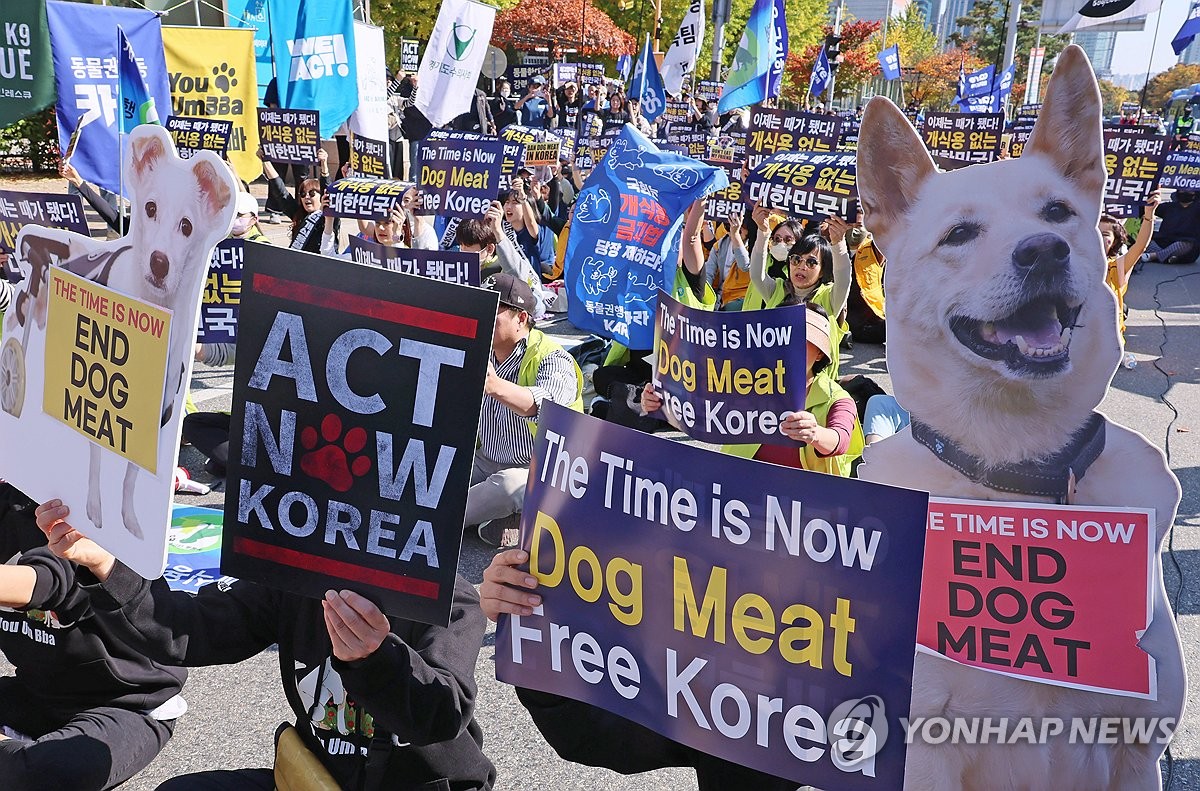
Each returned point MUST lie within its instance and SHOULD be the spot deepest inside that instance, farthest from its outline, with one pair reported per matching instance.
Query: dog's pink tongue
(1045, 336)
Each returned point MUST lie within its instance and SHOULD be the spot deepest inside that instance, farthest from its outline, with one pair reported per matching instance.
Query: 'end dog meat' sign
(356, 398)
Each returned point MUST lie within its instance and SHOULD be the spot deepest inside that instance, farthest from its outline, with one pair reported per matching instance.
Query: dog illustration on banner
(1002, 340)
(180, 210)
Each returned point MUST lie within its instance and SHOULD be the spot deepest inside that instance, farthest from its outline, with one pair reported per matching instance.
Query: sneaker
(1146, 257)
(502, 532)
(275, 218)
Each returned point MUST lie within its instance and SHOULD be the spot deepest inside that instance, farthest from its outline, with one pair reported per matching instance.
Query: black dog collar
(1054, 476)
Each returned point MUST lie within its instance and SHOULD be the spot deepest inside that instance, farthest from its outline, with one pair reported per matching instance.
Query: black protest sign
(18, 209)
(808, 185)
(368, 157)
(449, 266)
(956, 140)
(199, 134)
(289, 136)
(709, 91)
(1133, 157)
(364, 198)
(222, 293)
(355, 405)
(1021, 130)
(693, 141)
(1181, 171)
(776, 131)
(720, 204)
(410, 55)
(460, 178)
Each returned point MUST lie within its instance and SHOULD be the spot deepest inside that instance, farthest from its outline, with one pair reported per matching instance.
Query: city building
(1192, 53)
(1099, 47)
(946, 23)
(875, 10)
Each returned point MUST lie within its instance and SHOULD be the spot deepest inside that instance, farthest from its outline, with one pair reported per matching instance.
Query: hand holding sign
(68, 543)
(356, 626)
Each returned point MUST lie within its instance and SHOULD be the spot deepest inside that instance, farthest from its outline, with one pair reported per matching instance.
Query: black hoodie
(419, 686)
(64, 656)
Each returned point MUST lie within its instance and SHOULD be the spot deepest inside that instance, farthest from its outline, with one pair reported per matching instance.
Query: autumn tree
(986, 27)
(1112, 96)
(1161, 86)
(859, 63)
(933, 82)
(911, 31)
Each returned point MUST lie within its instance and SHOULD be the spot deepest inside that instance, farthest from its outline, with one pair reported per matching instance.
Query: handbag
(296, 768)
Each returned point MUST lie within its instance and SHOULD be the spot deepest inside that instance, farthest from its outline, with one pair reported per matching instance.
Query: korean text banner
(353, 429)
(313, 44)
(807, 185)
(26, 67)
(720, 591)
(84, 39)
(449, 266)
(1181, 171)
(626, 226)
(956, 140)
(290, 136)
(460, 180)
(1012, 588)
(199, 134)
(730, 377)
(222, 293)
(18, 209)
(212, 76)
(1134, 158)
(774, 131)
(364, 198)
(368, 157)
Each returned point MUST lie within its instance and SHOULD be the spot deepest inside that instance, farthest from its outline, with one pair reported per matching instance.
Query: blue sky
(1133, 49)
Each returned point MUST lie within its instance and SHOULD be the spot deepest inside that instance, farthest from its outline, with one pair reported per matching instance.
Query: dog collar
(1054, 476)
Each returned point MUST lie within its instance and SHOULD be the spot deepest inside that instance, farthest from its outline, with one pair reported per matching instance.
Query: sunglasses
(807, 261)
(310, 193)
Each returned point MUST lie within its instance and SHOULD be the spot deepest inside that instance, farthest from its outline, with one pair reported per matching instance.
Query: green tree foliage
(1160, 87)
(986, 27)
(912, 32)
(1111, 97)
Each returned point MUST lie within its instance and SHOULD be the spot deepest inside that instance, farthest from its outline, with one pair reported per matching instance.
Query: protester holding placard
(1179, 235)
(305, 209)
(536, 106)
(535, 241)
(116, 219)
(728, 266)
(1122, 255)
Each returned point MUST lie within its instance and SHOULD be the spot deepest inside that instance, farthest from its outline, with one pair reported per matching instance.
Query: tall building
(946, 24)
(874, 10)
(1099, 47)
(932, 9)
(1192, 53)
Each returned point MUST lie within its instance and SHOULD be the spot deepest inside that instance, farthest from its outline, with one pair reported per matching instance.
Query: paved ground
(234, 710)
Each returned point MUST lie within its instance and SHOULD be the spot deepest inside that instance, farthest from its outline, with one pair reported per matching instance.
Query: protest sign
(626, 225)
(589, 150)
(720, 149)
(449, 266)
(1011, 588)
(806, 185)
(222, 293)
(956, 140)
(848, 141)
(194, 549)
(774, 131)
(720, 204)
(1181, 171)
(1133, 157)
(519, 75)
(199, 134)
(693, 142)
(27, 79)
(353, 431)
(18, 209)
(510, 151)
(675, 111)
(1021, 130)
(542, 152)
(364, 198)
(717, 582)
(97, 351)
(368, 157)
(460, 178)
(729, 377)
(212, 76)
(289, 136)
(315, 63)
(708, 91)
(582, 74)
(410, 56)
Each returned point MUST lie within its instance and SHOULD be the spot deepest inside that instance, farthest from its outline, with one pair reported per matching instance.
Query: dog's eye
(1056, 211)
(151, 209)
(961, 234)
(185, 226)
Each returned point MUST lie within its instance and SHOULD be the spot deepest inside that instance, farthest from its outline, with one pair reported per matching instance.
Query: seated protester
(1121, 261)
(390, 231)
(85, 711)
(406, 718)
(884, 418)
(728, 265)
(527, 368)
(589, 735)
(813, 270)
(497, 253)
(828, 425)
(1178, 237)
(535, 241)
(305, 210)
(865, 303)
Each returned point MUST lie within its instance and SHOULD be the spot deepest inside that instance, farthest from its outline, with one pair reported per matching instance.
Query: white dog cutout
(180, 210)
(1002, 339)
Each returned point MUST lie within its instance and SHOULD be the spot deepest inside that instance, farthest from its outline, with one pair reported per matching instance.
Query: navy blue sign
(460, 180)
(18, 209)
(806, 185)
(754, 612)
(222, 293)
(450, 266)
(776, 131)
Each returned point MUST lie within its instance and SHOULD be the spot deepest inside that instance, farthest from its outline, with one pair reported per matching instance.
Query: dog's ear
(892, 165)
(1068, 129)
(145, 152)
(214, 186)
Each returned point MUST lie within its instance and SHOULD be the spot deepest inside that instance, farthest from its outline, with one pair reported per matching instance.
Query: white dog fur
(950, 239)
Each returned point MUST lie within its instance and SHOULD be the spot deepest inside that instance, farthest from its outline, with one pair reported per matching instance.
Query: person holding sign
(536, 107)
(1120, 264)
(305, 209)
(728, 266)
(536, 241)
(374, 696)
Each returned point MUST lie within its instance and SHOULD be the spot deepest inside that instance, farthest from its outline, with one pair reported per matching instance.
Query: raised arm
(760, 281)
(1145, 233)
(836, 228)
(691, 251)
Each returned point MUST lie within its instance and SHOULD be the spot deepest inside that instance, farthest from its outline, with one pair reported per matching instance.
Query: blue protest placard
(624, 233)
(313, 45)
(808, 185)
(756, 613)
(194, 548)
(449, 266)
(222, 293)
(460, 178)
(1181, 171)
(730, 377)
(364, 198)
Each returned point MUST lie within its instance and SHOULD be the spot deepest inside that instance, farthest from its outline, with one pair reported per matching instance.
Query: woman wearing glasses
(305, 208)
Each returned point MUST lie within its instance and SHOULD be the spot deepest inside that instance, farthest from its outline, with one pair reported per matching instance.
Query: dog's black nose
(1043, 251)
(159, 265)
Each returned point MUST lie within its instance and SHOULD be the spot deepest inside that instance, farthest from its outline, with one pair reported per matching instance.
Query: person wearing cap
(245, 224)
(536, 108)
(570, 101)
(526, 370)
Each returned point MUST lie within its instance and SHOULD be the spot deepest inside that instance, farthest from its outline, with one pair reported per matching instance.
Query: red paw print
(331, 463)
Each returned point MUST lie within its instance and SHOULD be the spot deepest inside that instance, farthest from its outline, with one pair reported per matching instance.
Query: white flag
(1102, 12)
(370, 118)
(453, 59)
(681, 58)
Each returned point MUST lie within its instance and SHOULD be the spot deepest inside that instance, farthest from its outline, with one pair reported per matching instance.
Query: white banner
(370, 118)
(453, 58)
(681, 58)
(1103, 12)
(1033, 80)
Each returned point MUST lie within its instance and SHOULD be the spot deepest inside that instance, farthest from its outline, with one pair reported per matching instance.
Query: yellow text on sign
(106, 360)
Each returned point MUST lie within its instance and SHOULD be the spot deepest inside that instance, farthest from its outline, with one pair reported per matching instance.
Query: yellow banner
(212, 75)
(106, 360)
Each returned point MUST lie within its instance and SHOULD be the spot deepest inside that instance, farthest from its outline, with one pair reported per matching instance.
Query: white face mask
(779, 251)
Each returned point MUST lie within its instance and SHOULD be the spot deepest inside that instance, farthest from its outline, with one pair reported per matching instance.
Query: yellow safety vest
(823, 296)
(537, 348)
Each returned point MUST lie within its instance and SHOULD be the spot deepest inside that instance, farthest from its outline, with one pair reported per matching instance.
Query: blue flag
(1188, 31)
(775, 79)
(889, 61)
(84, 43)
(315, 66)
(137, 105)
(977, 83)
(624, 64)
(647, 85)
(256, 15)
(1006, 83)
(750, 76)
(821, 74)
(624, 241)
(962, 78)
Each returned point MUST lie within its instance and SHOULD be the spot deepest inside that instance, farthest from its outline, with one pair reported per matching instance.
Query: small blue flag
(889, 61)
(978, 83)
(647, 85)
(750, 76)
(624, 64)
(1189, 30)
(821, 75)
(137, 105)
(780, 33)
